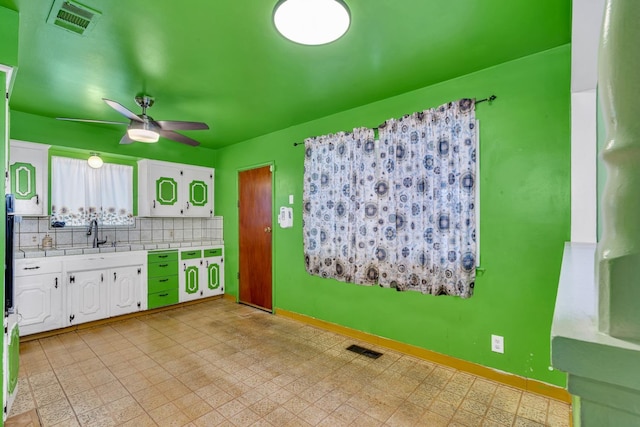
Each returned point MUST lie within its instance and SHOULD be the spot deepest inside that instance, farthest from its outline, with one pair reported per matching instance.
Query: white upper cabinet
(28, 174)
(174, 190)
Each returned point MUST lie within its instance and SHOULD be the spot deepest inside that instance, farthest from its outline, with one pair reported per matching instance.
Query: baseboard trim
(526, 384)
(46, 334)
(230, 297)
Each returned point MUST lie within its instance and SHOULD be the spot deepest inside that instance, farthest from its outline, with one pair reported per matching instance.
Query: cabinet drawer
(29, 267)
(160, 299)
(212, 252)
(162, 283)
(164, 268)
(193, 254)
(163, 256)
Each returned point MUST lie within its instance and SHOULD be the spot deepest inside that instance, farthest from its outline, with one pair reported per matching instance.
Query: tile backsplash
(30, 231)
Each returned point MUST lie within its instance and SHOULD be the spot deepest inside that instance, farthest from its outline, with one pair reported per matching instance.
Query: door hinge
(238, 275)
(6, 329)
(238, 203)
(72, 279)
(139, 272)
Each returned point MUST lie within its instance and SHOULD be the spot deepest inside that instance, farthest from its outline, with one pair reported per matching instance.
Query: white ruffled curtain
(80, 193)
(399, 212)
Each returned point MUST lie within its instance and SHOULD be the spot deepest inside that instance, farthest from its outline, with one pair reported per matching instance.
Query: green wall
(9, 22)
(525, 220)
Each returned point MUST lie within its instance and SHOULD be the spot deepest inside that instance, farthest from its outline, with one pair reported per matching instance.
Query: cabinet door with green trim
(164, 183)
(198, 186)
(190, 283)
(212, 278)
(28, 174)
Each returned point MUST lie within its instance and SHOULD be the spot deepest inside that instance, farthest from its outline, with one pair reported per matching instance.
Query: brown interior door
(255, 213)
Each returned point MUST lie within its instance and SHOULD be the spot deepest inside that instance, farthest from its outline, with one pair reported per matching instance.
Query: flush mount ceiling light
(95, 161)
(312, 22)
(142, 132)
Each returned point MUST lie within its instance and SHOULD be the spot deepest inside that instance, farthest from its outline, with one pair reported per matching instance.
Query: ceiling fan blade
(122, 110)
(125, 139)
(175, 136)
(178, 125)
(91, 121)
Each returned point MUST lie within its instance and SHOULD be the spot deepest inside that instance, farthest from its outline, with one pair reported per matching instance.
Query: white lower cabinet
(213, 271)
(87, 296)
(126, 290)
(201, 273)
(189, 280)
(67, 291)
(38, 291)
(112, 290)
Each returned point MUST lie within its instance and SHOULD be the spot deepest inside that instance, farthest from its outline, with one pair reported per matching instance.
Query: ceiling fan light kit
(143, 128)
(143, 135)
(312, 22)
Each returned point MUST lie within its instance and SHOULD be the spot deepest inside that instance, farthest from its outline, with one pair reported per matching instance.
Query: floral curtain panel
(398, 212)
(80, 193)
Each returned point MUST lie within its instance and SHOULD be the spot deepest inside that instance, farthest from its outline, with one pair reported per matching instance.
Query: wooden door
(255, 214)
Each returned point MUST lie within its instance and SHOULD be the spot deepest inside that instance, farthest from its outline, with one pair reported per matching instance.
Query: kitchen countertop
(121, 247)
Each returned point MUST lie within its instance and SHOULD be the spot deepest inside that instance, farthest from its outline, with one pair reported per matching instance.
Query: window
(80, 193)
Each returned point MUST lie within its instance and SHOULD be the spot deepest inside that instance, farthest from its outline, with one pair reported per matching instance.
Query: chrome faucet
(96, 243)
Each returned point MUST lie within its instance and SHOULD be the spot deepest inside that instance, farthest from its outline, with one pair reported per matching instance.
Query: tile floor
(218, 363)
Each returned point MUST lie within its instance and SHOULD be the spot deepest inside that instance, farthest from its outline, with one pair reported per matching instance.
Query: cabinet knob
(267, 229)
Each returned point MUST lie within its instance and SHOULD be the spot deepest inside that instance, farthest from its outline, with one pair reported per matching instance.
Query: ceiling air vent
(72, 16)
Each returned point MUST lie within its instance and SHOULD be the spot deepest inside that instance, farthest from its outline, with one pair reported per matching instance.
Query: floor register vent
(364, 351)
(72, 16)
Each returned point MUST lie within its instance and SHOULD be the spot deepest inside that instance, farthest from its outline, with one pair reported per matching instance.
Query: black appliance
(8, 255)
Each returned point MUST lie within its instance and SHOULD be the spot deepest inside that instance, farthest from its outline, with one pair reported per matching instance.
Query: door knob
(267, 229)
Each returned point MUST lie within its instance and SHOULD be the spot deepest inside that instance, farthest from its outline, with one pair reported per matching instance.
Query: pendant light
(312, 22)
(95, 161)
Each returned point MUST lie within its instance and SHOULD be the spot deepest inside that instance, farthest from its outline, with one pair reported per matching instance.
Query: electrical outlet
(497, 343)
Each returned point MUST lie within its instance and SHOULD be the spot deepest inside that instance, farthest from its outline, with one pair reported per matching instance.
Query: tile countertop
(124, 247)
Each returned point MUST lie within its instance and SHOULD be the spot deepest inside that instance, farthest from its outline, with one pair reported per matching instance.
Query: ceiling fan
(144, 128)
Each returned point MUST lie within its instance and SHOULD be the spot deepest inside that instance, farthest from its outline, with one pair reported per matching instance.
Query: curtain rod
(489, 100)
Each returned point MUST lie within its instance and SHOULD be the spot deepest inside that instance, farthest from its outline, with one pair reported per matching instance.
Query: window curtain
(80, 193)
(334, 205)
(398, 212)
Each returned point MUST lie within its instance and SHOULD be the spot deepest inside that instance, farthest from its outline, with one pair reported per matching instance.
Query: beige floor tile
(85, 401)
(173, 368)
(55, 412)
(312, 414)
